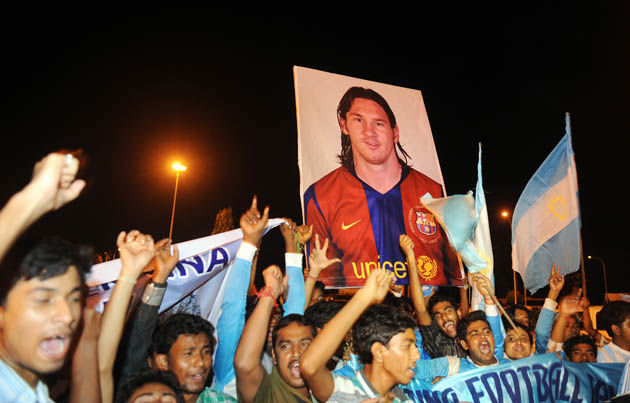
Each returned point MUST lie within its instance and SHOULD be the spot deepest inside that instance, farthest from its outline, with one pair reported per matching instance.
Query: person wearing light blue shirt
(232, 320)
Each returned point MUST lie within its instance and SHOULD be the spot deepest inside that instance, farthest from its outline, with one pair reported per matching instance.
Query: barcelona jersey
(363, 228)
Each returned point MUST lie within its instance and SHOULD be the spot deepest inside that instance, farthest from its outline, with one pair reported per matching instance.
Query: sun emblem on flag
(425, 222)
(559, 207)
(427, 267)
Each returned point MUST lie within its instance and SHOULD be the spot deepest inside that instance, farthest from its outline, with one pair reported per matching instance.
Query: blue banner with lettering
(541, 378)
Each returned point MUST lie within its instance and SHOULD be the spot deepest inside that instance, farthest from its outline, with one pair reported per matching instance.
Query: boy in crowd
(580, 349)
(518, 342)
(291, 336)
(184, 345)
(41, 294)
(615, 319)
(150, 386)
(477, 339)
(438, 321)
(383, 338)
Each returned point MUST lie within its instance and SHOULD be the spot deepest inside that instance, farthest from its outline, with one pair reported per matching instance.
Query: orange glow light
(179, 167)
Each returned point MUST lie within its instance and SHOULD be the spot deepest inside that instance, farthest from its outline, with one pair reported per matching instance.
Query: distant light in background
(505, 214)
(179, 168)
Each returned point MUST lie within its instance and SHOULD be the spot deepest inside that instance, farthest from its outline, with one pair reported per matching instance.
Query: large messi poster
(366, 156)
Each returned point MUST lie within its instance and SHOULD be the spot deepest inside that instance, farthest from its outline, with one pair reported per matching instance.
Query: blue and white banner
(546, 220)
(541, 378)
(203, 265)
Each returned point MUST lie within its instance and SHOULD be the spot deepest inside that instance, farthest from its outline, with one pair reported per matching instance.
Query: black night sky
(223, 102)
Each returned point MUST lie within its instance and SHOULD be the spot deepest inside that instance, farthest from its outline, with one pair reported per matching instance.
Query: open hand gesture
(570, 305)
(318, 260)
(253, 224)
(136, 251)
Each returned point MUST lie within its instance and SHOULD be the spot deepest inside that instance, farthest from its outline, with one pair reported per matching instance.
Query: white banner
(203, 264)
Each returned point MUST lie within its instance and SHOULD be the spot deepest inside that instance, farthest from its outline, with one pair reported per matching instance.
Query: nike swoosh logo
(345, 227)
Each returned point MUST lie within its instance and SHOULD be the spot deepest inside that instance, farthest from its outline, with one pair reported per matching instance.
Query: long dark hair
(346, 157)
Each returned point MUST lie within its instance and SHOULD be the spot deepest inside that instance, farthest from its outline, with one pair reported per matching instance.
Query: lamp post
(605, 280)
(178, 168)
(506, 215)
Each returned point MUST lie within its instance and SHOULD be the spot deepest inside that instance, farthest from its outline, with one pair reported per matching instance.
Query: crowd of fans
(286, 342)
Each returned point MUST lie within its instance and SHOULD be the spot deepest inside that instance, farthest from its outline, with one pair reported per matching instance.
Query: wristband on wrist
(266, 292)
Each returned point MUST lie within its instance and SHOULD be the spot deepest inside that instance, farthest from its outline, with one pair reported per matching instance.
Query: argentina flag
(546, 220)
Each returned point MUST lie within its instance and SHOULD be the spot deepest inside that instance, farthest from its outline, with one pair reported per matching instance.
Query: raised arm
(249, 370)
(417, 296)
(294, 301)
(232, 320)
(53, 185)
(136, 251)
(569, 306)
(544, 323)
(137, 339)
(484, 285)
(313, 361)
(317, 262)
(85, 385)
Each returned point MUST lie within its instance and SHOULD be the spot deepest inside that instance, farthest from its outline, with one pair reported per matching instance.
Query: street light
(178, 168)
(506, 215)
(605, 280)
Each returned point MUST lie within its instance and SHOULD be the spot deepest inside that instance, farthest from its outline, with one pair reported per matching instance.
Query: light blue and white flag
(546, 220)
(465, 221)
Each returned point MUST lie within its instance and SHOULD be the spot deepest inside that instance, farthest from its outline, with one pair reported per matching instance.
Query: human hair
(465, 322)
(571, 342)
(319, 285)
(378, 324)
(438, 297)
(48, 258)
(346, 157)
(134, 382)
(511, 311)
(613, 313)
(402, 303)
(507, 326)
(175, 325)
(287, 320)
(322, 312)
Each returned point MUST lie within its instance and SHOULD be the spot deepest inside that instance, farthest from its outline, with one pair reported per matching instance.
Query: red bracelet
(266, 291)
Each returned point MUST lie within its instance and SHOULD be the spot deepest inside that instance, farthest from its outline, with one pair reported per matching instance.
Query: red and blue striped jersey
(363, 227)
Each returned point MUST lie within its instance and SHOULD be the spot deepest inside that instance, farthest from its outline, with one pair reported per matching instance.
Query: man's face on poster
(371, 134)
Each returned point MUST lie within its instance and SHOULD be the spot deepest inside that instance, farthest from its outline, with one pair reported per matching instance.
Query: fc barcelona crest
(425, 222)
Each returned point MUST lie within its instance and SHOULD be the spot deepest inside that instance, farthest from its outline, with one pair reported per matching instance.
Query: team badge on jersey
(425, 222)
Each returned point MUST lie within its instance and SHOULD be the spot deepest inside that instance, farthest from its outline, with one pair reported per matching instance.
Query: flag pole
(582, 267)
(496, 301)
(568, 118)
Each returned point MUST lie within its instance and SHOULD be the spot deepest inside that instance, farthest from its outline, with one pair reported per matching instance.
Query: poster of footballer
(366, 156)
